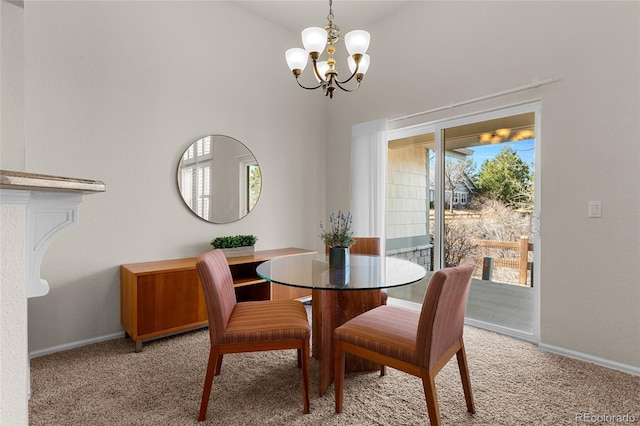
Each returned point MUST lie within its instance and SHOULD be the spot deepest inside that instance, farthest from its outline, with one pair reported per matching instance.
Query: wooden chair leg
(429, 385)
(383, 370)
(218, 365)
(300, 358)
(338, 374)
(214, 359)
(465, 378)
(304, 359)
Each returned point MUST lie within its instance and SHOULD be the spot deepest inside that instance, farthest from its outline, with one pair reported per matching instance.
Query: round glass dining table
(364, 272)
(339, 294)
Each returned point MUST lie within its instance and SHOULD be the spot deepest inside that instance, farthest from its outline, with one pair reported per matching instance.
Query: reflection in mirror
(219, 179)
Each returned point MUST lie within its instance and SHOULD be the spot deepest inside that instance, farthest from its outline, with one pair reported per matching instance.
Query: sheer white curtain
(368, 178)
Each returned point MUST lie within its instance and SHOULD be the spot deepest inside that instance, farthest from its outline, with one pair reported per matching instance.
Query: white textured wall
(13, 316)
(433, 54)
(12, 109)
(116, 91)
(13, 303)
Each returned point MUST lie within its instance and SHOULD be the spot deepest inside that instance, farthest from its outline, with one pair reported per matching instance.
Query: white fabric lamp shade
(314, 39)
(357, 41)
(296, 58)
(364, 64)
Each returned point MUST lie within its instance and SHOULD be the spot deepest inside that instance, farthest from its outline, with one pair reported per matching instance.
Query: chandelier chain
(333, 31)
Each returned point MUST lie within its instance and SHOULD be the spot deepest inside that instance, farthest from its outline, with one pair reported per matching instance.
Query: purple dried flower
(339, 234)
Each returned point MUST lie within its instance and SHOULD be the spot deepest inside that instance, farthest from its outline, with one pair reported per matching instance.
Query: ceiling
(297, 15)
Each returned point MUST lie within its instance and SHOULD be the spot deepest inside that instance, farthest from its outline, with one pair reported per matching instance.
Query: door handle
(534, 224)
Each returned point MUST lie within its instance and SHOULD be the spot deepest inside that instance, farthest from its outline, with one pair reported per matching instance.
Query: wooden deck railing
(521, 263)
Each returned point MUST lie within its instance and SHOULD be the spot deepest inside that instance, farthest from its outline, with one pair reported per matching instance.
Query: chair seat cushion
(267, 320)
(388, 330)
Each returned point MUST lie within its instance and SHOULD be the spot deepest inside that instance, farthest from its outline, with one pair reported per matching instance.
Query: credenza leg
(139, 345)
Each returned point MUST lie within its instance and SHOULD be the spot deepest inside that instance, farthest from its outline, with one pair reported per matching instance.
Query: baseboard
(517, 334)
(475, 323)
(74, 345)
(530, 338)
(590, 358)
(415, 306)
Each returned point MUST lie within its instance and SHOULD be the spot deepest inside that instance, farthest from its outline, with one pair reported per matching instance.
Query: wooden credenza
(165, 297)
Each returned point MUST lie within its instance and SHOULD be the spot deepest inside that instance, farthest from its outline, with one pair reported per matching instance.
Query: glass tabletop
(364, 272)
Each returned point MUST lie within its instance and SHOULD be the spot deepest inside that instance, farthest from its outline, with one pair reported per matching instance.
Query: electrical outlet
(595, 209)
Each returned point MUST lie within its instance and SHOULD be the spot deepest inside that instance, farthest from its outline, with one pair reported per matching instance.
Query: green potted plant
(236, 245)
(339, 238)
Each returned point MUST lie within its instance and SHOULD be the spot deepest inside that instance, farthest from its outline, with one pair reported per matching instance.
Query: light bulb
(503, 133)
(485, 137)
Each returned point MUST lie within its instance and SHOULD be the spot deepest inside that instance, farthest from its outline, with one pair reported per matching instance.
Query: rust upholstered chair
(248, 326)
(418, 343)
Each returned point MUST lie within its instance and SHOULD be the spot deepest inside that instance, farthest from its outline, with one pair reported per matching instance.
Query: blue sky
(486, 152)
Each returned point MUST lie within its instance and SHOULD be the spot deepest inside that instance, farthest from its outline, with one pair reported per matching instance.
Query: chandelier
(314, 40)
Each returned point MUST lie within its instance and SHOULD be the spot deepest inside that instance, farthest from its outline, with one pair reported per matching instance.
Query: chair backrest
(219, 294)
(442, 316)
(364, 245)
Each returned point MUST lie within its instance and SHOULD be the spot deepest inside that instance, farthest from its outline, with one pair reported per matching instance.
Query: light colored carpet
(513, 382)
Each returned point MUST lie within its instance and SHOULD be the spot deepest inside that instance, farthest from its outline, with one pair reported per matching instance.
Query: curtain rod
(533, 85)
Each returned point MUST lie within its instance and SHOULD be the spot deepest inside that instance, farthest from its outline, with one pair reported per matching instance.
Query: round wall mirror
(219, 179)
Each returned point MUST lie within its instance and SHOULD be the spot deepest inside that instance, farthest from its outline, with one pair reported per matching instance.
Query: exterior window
(196, 177)
(254, 183)
(460, 198)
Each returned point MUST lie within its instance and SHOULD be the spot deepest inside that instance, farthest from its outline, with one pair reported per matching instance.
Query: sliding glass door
(465, 187)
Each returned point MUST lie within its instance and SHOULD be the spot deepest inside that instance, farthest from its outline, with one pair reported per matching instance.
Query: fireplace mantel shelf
(38, 182)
